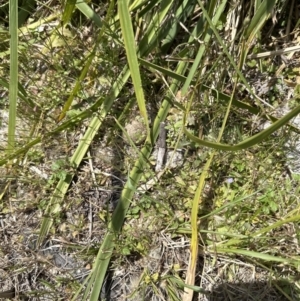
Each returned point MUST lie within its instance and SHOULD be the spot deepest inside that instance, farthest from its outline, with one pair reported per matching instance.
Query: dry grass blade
(273, 53)
(197, 201)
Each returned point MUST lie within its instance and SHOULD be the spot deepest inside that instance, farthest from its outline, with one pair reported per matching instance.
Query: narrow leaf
(13, 84)
(132, 59)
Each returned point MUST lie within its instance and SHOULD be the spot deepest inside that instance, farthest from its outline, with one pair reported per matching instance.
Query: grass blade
(249, 141)
(13, 84)
(54, 207)
(131, 53)
(258, 255)
(68, 11)
(207, 38)
(88, 60)
(106, 249)
(260, 17)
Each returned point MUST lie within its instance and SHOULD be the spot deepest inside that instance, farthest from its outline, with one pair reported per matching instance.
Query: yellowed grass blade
(190, 275)
(190, 278)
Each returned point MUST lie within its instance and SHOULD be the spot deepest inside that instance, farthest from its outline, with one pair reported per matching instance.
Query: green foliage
(188, 60)
(60, 170)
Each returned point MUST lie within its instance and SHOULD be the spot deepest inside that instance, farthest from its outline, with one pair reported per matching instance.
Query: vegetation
(85, 90)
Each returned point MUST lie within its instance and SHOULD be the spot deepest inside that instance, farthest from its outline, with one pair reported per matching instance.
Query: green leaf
(131, 53)
(13, 84)
(253, 254)
(68, 11)
(249, 141)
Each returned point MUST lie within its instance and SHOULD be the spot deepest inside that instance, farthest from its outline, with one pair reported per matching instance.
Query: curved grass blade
(249, 141)
(216, 93)
(89, 12)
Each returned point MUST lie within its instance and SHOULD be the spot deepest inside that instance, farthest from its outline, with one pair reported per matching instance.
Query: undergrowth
(81, 202)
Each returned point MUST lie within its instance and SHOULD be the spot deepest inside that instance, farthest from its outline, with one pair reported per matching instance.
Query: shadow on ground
(260, 291)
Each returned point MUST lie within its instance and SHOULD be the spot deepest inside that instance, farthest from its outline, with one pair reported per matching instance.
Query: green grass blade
(54, 206)
(145, 48)
(21, 93)
(79, 80)
(191, 271)
(245, 240)
(291, 219)
(216, 93)
(260, 17)
(131, 54)
(258, 255)
(183, 12)
(68, 11)
(227, 206)
(207, 37)
(13, 84)
(249, 141)
(152, 35)
(89, 12)
(119, 214)
(88, 60)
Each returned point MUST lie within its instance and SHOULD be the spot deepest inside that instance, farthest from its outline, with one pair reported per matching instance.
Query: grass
(220, 224)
